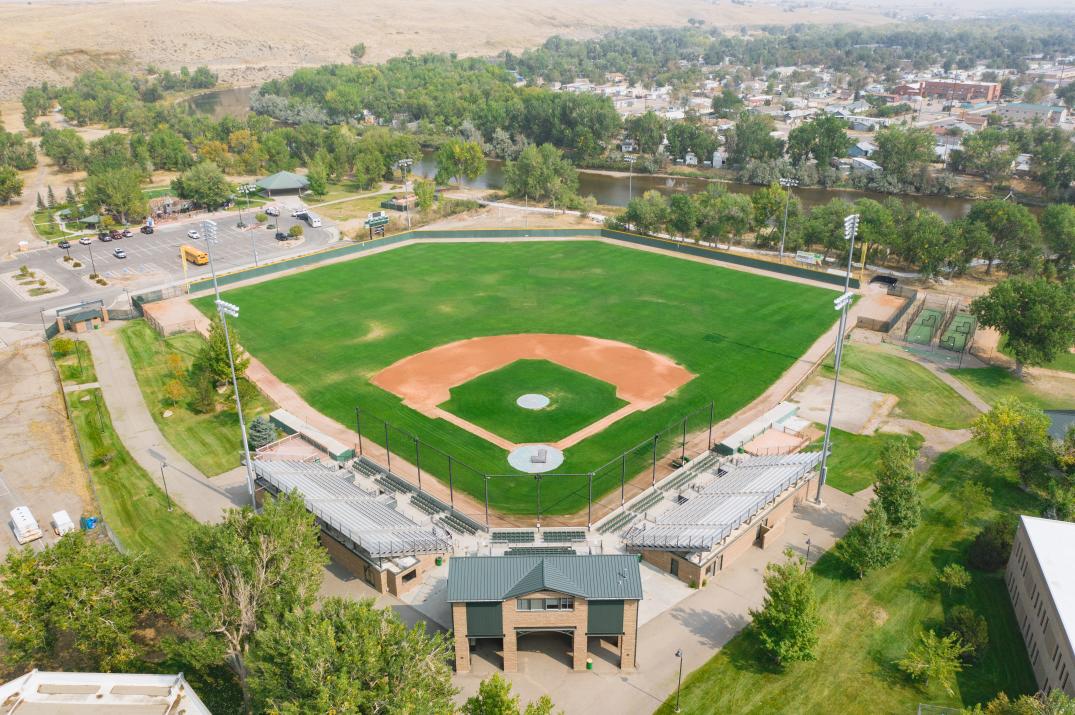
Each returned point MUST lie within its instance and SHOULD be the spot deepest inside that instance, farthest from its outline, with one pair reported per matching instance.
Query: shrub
(63, 346)
(77, 264)
(261, 433)
(67, 258)
(174, 391)
(992, 546)
(261, 217)
(971, 628)
(954, 578)
(103, 457)
(935, 659)
(102, 281)
(204, 398)
(42, 282)
(869, 544)
(24, 270)
(295, 231)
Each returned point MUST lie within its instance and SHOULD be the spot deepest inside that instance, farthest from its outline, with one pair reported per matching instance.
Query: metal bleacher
(459, 524)
(652, 499)
(427, 504)
(540, 551)
(513, 537)
(618, 522)
(565, 536)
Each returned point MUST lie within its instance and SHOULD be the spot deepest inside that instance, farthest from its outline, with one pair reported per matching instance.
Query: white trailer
(24, 525)
(61, 523)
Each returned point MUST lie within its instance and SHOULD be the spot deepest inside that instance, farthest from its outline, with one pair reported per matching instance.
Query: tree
(349, 657)
(989, 153)
(974, 498)
(204, 184)
(1035, 316)
(65, 147)
(168, 150)
(683, 215)
(954, 578)
(726, 104)
(203, 401)
(174, 391)
(870, 543)
(261, 432)
(647, 214)
(896, 488)
(459, 160)
(903, 152)
(541, 173)
(212, 359)
(935, 659)
(1016, 435)
(50, 197)
(787, 623)
(824, 138)
(358, 52)
(425, 192)
(1056, 702)
(69, 197)
(494, 698)
(647, 130)
(10, 184)
(251, 570)
(1058, 230)
(751, 138)
(992, 547)
(318, 178)
(971, 629)
(80, 605)
(724, 215)
(1014, 234)
(119, 191)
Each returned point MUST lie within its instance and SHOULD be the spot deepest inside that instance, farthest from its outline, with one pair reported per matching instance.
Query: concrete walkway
(204, 499)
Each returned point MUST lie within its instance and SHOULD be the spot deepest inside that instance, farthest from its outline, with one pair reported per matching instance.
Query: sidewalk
(203, 498)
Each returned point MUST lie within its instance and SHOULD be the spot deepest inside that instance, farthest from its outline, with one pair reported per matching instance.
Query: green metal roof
(283, 181)
(498, 578)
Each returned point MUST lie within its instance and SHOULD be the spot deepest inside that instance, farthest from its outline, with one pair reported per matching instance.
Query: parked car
(273, 211)
(147, 230)
(298, 213)
(193, 234)
(64, 244)
(119, 253)
(281, 236)
(127, 233)
(104, 237)
(116, 234)
(85, 240)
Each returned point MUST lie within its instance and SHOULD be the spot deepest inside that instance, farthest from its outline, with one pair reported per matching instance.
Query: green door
(604, 618)
(485, 620)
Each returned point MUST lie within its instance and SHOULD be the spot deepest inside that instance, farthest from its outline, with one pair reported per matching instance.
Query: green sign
(375, 222)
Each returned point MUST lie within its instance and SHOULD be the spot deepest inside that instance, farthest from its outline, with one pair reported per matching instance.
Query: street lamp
(851, 225)
(93, 266)
(405, 169)
(630, 175)
(164, 463)
(225, 309)
(245, 190)
(788, 185)
(679, 685)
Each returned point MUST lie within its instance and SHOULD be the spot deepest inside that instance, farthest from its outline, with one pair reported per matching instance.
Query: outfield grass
(211, 442)
(923, 396)
(327, 331)
(132, 504)
(995, 383)
(576, 400)
(856, 457)
(870, 623)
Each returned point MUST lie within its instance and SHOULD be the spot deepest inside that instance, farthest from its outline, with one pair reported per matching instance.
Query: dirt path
(15, 219)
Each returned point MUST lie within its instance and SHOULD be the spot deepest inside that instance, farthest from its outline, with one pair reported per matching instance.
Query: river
(611, 190)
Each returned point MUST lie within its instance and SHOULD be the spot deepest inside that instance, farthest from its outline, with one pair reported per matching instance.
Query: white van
(24, 525)
(61, 523)
(313, 219)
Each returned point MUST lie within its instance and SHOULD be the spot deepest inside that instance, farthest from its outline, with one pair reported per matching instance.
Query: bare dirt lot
(39, 464)
(249, 42)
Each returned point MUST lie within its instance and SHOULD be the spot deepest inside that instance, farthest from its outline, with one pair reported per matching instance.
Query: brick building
(508, 597)
(1041, 582)
(961, 91)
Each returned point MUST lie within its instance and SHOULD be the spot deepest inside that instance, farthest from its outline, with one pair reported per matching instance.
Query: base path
(642, 378)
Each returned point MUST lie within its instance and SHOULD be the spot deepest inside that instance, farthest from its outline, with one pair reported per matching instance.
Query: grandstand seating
(513, 537)
(393, 483)
(681, 479)
(651, 499)
(618, 522)
(539, 551)
(452, 522)
(554, 536)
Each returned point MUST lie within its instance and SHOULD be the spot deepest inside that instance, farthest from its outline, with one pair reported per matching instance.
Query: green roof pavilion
(283, 181)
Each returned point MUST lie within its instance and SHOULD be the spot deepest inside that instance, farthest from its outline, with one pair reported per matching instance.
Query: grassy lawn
(871, 623)
(45, 227)
(356, 208)
(1065, 361)
(328, 330)
(995, 383)
(923, 396)
(856, 457)
(576, 400)
(76, 367)
(132, 504)
(211, 442)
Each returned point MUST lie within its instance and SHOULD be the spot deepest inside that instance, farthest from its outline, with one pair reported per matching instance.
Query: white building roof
(1052, 543)
(51, 693)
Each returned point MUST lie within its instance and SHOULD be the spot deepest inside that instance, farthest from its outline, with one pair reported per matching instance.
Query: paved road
(151, 261)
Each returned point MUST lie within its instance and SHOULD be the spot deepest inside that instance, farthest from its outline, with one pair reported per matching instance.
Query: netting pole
(538, 479)
(358, 428)
(589, 501)
(387, 450)
(487, 501)
(683, 444)
(653, 479)
(451, 490)
(418, 463)
(623, 476)
(709, 444)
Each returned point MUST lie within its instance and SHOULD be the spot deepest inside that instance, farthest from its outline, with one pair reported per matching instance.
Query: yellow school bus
(195, 255)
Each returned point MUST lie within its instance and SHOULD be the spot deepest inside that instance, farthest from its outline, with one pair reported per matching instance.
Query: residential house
(860, 165)
(862, 149)
(1025, 113)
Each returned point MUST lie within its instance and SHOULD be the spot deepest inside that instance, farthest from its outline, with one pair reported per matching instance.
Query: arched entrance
(540, 647)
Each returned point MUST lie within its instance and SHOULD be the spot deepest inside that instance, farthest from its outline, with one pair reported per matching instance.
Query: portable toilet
(61, 523)
(24, 525)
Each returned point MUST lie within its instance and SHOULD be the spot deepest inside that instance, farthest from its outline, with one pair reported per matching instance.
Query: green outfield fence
(692, 249)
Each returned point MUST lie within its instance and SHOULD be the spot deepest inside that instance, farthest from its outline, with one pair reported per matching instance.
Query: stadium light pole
(630, 175)
(788, 185)
(851, 225)
(225, 309)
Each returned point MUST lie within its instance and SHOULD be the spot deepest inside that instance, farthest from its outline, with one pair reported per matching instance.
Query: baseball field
(622, 342)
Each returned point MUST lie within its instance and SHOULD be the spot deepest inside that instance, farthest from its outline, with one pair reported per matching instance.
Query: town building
(57, 693)
(1041, 583)
(961, 91)
(746, 504)
(509, 597)
(1025, 113)
(862, 165)
(862, 149)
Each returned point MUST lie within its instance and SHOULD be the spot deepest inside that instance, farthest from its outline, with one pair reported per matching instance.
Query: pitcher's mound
(535, 458)
(532, 401)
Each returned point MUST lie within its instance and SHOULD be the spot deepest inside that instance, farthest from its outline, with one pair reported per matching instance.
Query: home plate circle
(535, 458)
(532, 401)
